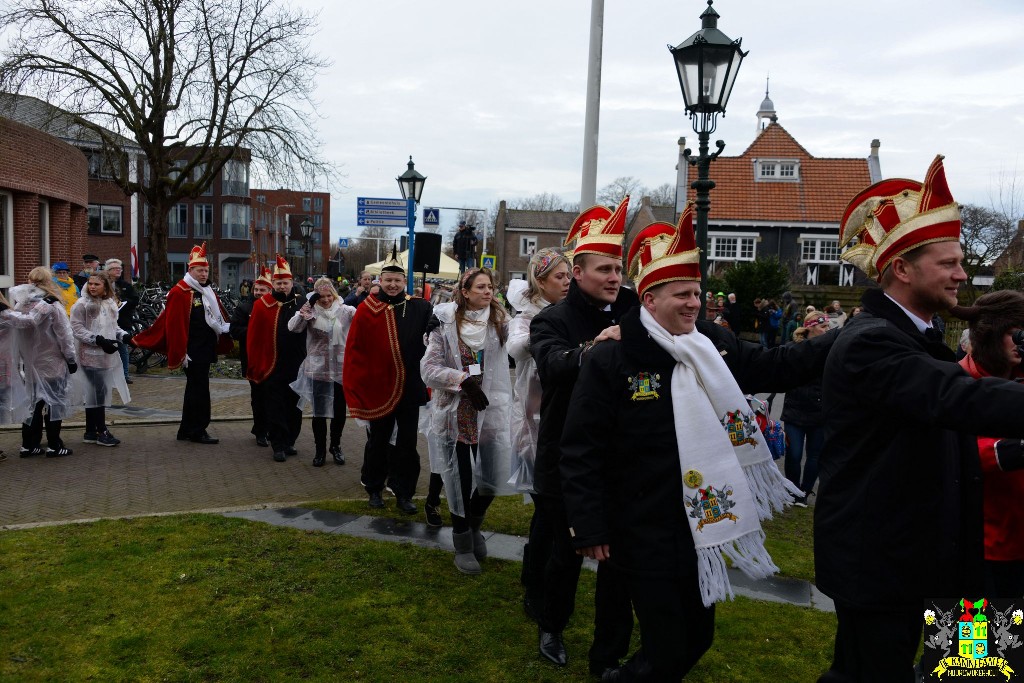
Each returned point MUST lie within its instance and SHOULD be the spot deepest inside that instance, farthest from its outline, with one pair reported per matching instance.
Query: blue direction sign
(383, 212)
(431, 217)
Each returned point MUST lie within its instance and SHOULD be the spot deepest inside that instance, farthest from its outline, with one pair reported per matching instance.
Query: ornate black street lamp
(411, 185)
(307, 227)
(707, 63)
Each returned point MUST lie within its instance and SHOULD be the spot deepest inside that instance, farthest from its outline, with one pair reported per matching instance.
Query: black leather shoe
(184, 437)
(552, 648)
(290, 451)
(406, 506)
(635, 670)
(376, 501)
(262, 442)
(599, 669)
(318, 459)
(339, 457)
(279, 456)
(203, 437)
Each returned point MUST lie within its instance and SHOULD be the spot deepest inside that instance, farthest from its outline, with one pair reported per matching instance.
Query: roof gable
(525, 219)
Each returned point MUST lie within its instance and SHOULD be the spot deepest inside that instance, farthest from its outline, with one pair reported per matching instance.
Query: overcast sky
(489, 97)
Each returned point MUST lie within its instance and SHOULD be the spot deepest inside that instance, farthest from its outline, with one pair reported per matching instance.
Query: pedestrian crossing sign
(487, 261)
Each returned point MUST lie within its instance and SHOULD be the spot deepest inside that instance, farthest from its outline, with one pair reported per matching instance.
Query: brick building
(43, 201)
(519, 233)
(276, 217)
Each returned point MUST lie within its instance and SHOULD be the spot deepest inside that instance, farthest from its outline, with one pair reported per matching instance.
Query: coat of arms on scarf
(740, 427)
(711, 505)
(644, 386)
(974, 645)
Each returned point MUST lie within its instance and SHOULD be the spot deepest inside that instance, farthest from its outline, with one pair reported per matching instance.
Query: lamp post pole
(411, 185)
(307, 228)
(706, 63)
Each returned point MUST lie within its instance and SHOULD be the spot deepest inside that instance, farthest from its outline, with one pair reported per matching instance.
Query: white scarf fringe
(747, 553)
(211, 306)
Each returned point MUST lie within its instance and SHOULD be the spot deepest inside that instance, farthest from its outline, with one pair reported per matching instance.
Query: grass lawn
(208, 598)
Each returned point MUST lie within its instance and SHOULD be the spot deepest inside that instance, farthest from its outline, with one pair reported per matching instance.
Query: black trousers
(195, 407)
(535, 555)
(1004, 578)
(613, 613)
(337, 423)
(397, 466)
(259, 417)
(32, 432)
(281, 409)
(474, 503)
(860, 654)
(676, 629)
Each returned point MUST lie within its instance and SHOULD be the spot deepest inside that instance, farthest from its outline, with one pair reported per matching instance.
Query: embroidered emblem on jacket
(740, 427)
(644, 386)
(711, 505)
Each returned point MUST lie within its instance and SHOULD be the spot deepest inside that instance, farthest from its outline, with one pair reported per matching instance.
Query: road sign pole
(412, 246)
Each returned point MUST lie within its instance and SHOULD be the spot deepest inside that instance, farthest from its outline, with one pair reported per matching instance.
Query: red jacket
(1004, 493)
(169, 333)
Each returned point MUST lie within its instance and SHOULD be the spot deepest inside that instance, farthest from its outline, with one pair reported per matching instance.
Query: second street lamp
(307, 236)
(706, 63)
(411, 185)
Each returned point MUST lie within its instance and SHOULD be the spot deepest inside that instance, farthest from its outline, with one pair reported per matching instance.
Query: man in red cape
(273, 356)
(191, 331)
(383, 384)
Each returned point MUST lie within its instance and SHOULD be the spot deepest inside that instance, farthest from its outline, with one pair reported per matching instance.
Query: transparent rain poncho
(44, 343)
(99, 372)
(12, 386)
(526, 401)
(441, 369)
(325, 356)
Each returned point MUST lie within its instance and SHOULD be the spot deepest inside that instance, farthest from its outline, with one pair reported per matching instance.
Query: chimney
(874, 163)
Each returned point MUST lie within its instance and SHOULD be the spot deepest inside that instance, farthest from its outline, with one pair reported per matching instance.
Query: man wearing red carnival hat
(264, 284)
(898, 516)
(273, 355)
(663, 469)
(191, 331)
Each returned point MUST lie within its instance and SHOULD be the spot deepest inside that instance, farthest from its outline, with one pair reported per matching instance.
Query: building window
(6, 241)
(235, 179)
(104, 220)
(235, 222)
(318, 204)
(197, 173)
(100, 165)
(177, 221)
(779, 170)
(261, 198)
(516, 275)
(318, 221)
(527, 245)
(815, 249)
(734, 247)
(203, 226)
(306, 204)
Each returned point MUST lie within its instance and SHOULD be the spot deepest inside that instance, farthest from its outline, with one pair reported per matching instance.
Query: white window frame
(234, 178)
(517, 275)
(234, 223)
(202, 229)
(7, 224)
(817, 240)
(525, 250)
(182, 211)
(44, 231)
(102, 211)
(713, 238)
(777, 170)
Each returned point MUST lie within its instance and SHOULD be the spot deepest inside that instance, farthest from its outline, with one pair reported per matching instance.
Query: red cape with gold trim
(169, 333)
(261, 338)
(374, 372)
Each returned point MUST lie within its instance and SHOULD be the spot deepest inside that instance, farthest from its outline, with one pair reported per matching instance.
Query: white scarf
(326, 321)
(729, 478)
(211, 306)
(473, 330)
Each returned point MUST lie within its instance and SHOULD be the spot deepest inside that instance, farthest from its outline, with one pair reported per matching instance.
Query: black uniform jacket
(412, 315)
(291, 346)
(620, 458)
(557, 335)
(240, 328)
(898, 515)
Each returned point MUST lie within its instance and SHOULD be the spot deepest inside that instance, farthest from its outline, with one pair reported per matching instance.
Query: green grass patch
(208, 598)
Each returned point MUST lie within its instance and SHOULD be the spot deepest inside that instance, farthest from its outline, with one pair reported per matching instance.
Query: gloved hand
(108, 345)
(313, 298)
(477, 397)
(72, 367)
(127, 339)
(50, 299)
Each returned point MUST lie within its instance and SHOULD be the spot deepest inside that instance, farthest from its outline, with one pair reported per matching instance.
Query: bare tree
(984, 234)
(545, 201)
(612, 193)
(192, 83)
(663, 195)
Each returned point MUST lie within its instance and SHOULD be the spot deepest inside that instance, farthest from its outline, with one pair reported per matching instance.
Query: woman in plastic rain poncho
(325, 320)
(12, 388)
(94, 324)
(547, 283)
(466, 365)
(45, 346)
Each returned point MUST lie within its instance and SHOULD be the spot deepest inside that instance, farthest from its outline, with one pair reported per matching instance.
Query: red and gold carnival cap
(599, 230)
(895, 216)
(197, 257)
(282, 271)
(663, 252)
(265, 277)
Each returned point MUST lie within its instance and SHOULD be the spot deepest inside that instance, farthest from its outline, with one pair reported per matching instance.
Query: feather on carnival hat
(663, 252)
(392, 264)
(599, 231)
(197, 257)
(265, 277)
(895, 216)
(282, 271)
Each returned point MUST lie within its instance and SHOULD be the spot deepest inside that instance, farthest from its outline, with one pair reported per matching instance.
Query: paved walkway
(153, 473)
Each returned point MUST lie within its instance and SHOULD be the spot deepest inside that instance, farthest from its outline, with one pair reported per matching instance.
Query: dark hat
(90, 257)
(392, 264)
(462, 224)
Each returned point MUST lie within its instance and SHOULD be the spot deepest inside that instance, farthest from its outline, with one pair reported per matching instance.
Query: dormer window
(779, 170)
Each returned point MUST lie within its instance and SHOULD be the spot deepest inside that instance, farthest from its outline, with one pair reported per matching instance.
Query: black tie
(932, 334)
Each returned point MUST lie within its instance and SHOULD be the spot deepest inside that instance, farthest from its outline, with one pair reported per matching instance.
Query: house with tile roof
(519, 233)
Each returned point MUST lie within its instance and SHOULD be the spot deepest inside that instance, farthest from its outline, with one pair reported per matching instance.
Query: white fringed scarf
(211, 306)
(729, 479)
(326, 321)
